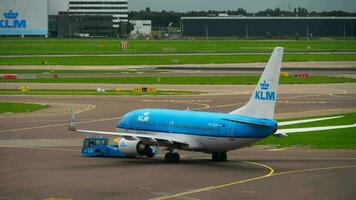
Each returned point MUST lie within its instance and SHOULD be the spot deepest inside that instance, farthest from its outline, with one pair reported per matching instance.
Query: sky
(249, 5)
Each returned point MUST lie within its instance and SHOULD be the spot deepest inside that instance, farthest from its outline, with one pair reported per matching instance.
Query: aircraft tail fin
(263, 99)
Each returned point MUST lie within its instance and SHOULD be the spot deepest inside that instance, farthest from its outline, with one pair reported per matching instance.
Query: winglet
(72, 121)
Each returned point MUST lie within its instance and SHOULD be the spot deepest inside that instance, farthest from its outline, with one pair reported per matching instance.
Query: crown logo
(264, 85)
(10, 15)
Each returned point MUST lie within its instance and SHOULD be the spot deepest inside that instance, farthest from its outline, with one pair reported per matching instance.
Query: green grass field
(207, 80)
(20, 107)
(90, 46)
(95, 93)
(338, 138)
(168, 60)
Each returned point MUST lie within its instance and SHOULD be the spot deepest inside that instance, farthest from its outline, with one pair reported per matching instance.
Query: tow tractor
(100, 147)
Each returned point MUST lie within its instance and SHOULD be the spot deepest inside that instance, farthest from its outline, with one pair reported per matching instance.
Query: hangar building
(93, 18)
(244, 27)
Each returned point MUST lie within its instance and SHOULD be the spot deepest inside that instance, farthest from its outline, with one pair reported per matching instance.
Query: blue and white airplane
(209, 132)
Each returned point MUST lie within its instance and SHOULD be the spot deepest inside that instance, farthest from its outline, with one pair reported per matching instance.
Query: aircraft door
(171, 125)
(231, 129)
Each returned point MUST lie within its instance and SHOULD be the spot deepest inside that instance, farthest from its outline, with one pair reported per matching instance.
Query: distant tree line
(170, 18)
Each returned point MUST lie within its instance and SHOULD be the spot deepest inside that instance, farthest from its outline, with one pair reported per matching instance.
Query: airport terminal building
(117, 9)
(92, 18)
(69, 26)
(245, 27)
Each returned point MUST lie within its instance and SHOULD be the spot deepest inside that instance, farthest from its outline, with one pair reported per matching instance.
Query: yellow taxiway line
(313, 169)
(208, 188)
(270, 174)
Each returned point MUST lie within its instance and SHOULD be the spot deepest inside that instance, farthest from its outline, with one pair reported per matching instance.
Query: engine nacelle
(136, 147)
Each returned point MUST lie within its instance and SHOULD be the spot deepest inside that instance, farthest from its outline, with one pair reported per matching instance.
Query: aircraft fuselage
(205, 131)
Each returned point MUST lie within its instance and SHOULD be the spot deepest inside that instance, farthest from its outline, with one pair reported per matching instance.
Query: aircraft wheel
(219, 156)
(223, 156)
(176, 157)
(172, 157)
(215, 156)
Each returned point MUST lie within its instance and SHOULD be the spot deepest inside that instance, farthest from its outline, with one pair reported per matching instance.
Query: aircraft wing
(148, 138)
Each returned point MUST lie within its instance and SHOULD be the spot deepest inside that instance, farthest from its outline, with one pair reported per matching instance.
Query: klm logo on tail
(264, 94)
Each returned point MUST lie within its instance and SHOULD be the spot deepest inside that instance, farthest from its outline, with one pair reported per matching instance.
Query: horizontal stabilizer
(306, 120)
(309, 129)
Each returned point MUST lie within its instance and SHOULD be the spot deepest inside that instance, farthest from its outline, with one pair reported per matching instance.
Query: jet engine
(136, 147)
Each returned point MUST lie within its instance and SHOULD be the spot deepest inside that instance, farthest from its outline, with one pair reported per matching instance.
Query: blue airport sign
(11, 22)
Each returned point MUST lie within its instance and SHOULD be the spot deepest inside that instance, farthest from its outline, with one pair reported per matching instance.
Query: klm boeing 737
(209, 132)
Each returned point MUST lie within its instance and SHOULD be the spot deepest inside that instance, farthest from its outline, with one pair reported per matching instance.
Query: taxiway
(40, 158)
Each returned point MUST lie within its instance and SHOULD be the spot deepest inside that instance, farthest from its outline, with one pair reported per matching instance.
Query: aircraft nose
(120, 124)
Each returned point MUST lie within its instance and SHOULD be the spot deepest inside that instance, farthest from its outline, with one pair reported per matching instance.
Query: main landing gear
(172, 157)
(219, 156)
